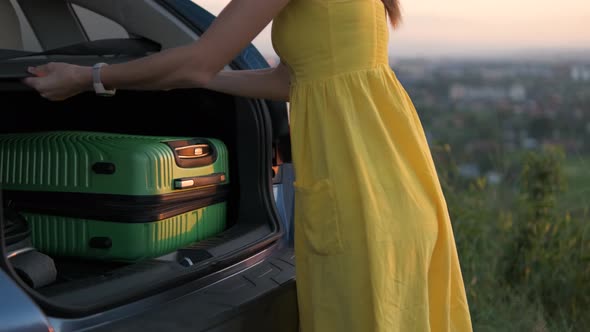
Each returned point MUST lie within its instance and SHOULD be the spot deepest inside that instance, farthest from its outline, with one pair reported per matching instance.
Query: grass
(576, 169)
(524, 246)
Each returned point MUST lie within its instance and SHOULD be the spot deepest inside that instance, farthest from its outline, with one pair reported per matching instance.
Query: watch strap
(97, 82)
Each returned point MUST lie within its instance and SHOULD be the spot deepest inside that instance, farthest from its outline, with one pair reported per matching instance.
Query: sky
(434, 28)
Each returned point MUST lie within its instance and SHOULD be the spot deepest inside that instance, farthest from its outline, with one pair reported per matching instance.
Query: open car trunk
(85, 285)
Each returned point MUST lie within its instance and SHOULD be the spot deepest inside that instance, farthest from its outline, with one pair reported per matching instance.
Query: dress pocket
(317, 213)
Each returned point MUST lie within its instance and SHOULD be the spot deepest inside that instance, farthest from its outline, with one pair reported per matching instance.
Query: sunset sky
(477, 27)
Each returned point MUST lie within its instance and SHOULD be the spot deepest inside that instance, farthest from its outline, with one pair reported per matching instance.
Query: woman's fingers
(55, 81)
(39, 72)
(43, 70)
(33, 82)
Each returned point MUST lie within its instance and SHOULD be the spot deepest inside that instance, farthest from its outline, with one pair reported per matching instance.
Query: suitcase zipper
(117, 208)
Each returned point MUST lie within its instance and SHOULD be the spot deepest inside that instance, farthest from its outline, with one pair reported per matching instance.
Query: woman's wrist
(83, 78)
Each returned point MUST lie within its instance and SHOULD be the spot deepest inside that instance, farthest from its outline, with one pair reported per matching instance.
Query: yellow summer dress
(374, 244)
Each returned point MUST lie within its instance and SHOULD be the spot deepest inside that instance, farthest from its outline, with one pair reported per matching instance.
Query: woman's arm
(192, 65)
(270, 83)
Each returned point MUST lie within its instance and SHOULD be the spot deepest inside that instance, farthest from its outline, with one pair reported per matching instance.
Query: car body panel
(18, 312)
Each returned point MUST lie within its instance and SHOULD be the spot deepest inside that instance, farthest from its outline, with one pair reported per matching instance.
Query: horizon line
(527, 52)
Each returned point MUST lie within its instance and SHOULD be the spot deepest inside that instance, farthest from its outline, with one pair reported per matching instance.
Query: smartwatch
(97, 83)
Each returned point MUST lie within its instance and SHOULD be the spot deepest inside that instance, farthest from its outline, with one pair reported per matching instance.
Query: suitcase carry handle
(200, 181)
(193, 153)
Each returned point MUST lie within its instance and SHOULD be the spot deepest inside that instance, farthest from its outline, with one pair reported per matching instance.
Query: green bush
(525, 261)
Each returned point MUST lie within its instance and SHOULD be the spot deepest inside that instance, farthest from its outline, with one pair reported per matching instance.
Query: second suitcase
(115, 196)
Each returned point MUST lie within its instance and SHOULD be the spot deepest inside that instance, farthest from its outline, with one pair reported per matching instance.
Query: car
(240, 279)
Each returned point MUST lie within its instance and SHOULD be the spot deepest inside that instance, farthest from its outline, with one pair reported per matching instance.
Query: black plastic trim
(105, 168)
(18, 230)
(261, 298)
(138, 46)
(101, 242)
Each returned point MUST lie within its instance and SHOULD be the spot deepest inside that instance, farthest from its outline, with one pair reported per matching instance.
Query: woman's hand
(59, 81)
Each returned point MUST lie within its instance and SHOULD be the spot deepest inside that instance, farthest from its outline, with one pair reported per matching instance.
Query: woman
(374, 244)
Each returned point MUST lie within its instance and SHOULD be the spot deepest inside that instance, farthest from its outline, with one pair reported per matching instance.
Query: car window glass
(15, 31)
(98, 26)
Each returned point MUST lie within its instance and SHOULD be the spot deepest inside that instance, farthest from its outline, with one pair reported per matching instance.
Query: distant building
(413, 70)
(580, 73)
(460, 92)
(457, 92)
(498, 73)
(517, 92)
(569, 145)
(470, 170)
(529, 143)
(482, 147)
(494, 177)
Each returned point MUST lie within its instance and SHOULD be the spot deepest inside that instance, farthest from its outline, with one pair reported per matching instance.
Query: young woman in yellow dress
(374, 244)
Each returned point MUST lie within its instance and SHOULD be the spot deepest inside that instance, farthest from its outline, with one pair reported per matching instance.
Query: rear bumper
(261, 297)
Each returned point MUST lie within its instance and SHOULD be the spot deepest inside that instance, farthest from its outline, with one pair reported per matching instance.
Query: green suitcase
(114, 196)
